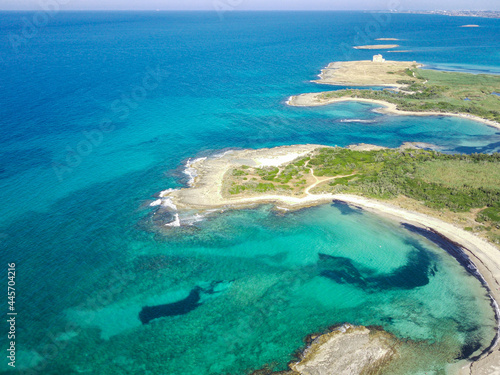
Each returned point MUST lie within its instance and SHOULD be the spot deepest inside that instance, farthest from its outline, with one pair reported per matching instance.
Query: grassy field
(457, 173)
(290, 180)
(454, 183)
(430, 90)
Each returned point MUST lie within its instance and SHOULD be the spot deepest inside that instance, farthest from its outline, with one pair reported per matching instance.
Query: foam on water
(222, 154)
(157, 202)
(359, 120)
(176, 222)
(190, 171)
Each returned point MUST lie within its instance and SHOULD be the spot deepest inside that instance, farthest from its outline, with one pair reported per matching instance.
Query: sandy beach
(206, 193)
(314, 99)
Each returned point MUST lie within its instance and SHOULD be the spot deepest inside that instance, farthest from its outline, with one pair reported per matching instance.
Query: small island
(377, 46)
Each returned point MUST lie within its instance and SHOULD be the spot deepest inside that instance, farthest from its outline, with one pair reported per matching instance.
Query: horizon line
(257, 10)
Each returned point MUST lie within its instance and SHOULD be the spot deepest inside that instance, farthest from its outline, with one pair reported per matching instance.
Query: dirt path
(319, 181)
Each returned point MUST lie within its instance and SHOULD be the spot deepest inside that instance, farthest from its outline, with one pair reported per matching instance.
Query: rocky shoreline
(346, 350)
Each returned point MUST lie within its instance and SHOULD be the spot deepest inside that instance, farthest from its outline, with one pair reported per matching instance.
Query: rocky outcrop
(346, 350)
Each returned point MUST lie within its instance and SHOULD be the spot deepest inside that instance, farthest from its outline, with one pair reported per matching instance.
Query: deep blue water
(99, 111)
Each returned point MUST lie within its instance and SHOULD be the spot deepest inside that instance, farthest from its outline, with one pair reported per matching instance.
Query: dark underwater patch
(181, 307)
(457, 251)
(341, 270)
(184, 306)
(450, 247)
(162, 216)
(468, 349)
(413, 274)
(346, 209)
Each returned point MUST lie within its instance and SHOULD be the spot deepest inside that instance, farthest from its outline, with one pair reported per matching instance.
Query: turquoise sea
(100, 111)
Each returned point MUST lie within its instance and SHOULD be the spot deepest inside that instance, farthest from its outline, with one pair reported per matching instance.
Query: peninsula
(415, 91)
(366, 73)
(456, 197)
(460, 189)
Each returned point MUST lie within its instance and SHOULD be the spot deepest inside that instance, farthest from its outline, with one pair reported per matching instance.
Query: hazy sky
(254, 4)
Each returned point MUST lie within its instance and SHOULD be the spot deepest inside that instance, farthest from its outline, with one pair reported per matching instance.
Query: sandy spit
(313, 100)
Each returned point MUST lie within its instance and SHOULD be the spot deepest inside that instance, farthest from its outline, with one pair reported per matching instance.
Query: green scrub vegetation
(436, 91)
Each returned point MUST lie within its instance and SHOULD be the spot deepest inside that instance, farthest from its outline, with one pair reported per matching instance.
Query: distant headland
(413, 91)
(456, 13)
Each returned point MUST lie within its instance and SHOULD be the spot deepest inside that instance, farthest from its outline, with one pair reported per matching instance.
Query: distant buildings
(378, 58)
(457, 13)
